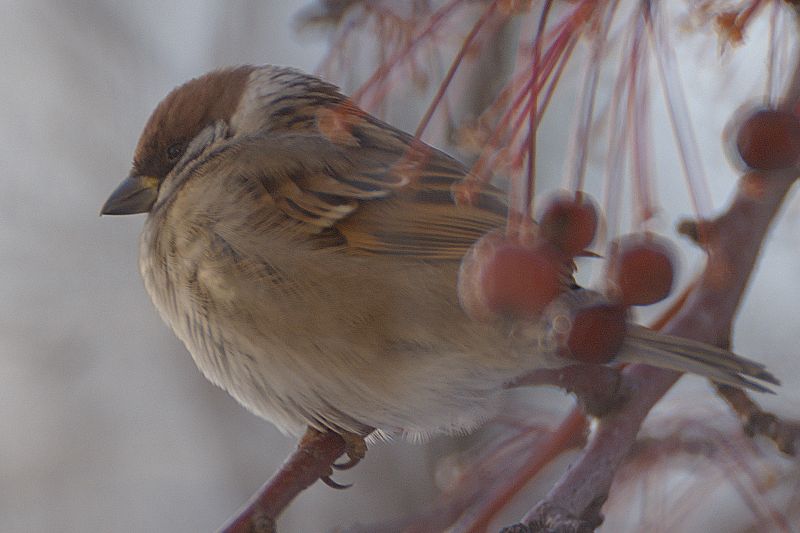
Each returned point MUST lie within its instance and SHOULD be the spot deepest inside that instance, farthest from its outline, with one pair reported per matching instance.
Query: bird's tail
(643, 345)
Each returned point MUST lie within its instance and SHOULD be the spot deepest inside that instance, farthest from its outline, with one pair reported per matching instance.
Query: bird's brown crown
(183, 114)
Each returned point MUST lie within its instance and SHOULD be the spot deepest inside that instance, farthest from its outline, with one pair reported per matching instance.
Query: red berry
(641, 269)
(769, 139)
(569, 223)
(596, 334)
(500, 277)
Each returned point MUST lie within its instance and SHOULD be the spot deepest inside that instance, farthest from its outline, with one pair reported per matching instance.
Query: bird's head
(186, 112)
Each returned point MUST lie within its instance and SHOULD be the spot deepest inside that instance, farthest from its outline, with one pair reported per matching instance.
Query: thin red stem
(570, 429)
(381, 72)
(529, 185)
(451, 72)
(580, 142)
(635, 126)
(527, 112)
(679, 115)
(552, 65)
(549, 92)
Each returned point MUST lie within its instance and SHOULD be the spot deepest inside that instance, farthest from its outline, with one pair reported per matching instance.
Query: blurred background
(106, 423)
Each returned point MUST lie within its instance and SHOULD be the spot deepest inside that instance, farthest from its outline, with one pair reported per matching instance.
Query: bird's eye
(174, 152)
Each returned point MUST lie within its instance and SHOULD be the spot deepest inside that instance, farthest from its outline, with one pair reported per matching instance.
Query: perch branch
(311, 461)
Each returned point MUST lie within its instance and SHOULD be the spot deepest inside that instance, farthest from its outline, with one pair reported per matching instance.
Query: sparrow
(307, 255)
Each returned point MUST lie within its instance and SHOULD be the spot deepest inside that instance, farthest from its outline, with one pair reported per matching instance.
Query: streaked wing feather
(435, 231)
(380, 199)
(421, 217)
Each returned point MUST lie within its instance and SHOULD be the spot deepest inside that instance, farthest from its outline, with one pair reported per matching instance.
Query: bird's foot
(355, 450)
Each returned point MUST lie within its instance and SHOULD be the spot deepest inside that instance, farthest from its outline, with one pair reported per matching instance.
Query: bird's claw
(347, 465)
(355, 450)
(334, 485)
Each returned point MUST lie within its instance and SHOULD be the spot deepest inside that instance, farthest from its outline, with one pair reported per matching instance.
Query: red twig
(580, 145)
(382, 72)
(529, 184)
(558, 442)
(451, 72)
(678, 113)
(741, 473)
(785, 435)
(562, 40)
(640, 137)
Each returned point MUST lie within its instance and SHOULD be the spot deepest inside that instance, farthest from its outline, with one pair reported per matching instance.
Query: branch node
(262, 523)
(605, 396)
(755, 421)
(550, 518)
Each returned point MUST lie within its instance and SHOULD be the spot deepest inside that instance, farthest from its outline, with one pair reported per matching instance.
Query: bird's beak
(136, 194)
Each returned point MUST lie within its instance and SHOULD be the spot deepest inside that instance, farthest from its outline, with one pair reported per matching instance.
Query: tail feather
(643, 345)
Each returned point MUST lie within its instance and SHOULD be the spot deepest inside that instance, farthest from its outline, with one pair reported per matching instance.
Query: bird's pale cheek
(136, 194)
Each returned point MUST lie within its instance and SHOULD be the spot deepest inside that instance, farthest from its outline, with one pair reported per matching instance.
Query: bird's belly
(351, 349)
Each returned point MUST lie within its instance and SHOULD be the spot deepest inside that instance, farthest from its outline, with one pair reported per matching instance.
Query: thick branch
(734, 241)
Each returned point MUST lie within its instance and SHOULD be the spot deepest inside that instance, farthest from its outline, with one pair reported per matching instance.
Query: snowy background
(105, 423)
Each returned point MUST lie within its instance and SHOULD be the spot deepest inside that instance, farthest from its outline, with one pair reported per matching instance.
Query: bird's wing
(373, 190)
